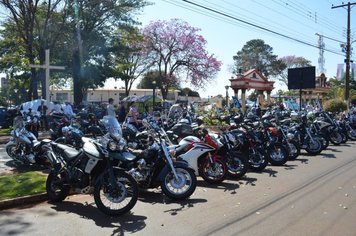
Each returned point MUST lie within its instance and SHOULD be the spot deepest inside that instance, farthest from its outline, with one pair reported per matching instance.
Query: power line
(255, 25)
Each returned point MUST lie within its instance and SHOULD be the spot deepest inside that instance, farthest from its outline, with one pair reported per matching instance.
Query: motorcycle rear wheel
(181, 188)
(213, 173)
(56, 188)
(116, 200)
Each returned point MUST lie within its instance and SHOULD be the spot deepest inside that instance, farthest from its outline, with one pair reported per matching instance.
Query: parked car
(3, 118)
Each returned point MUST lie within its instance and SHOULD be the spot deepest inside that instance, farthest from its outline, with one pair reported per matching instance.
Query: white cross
(47, 67)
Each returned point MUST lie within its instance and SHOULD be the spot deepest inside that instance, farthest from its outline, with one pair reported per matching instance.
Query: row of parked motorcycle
(112, 161)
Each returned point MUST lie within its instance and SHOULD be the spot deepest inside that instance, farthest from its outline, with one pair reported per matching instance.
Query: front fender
(176, 164)
(10, 143)
(116, 170)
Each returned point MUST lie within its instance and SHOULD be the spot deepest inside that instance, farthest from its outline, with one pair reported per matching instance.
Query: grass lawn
(5, 131)
(22, 184)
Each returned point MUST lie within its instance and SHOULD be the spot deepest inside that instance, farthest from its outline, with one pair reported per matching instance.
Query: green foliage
(292, 62)
(255, 54)
(22, 184)
(334, 105)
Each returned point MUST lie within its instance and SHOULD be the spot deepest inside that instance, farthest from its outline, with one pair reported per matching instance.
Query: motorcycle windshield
(112, 126)
(18, 122)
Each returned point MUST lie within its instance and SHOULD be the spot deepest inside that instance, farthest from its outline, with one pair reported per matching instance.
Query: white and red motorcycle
(202, 156)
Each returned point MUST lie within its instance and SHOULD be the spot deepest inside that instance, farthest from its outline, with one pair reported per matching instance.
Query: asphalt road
(314, 195)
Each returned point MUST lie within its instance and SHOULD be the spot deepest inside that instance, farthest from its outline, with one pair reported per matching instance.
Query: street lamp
(15, 90)
(154, 94)
(227, 95)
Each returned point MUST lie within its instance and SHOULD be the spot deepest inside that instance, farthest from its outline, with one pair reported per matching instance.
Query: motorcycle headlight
(112, 146)
(122, 144)
(290, 136)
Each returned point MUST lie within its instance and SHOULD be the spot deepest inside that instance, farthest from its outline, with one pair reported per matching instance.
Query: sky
(297, 19)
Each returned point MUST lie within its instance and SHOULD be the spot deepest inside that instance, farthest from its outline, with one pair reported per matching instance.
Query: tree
(35, 28)
(255, 54)
(95, 21)
(149, 77)
(292, 62)
(175, 48)
(129, 60)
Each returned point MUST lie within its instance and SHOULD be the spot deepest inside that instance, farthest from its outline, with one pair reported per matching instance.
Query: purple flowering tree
(176, 48)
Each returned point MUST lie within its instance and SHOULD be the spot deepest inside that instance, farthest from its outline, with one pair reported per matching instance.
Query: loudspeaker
(301, 78)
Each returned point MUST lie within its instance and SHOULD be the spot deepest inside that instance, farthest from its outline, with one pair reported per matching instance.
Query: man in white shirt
(110, 109)
(67, 110)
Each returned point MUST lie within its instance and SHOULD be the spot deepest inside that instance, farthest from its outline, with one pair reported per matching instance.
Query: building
(102, 95)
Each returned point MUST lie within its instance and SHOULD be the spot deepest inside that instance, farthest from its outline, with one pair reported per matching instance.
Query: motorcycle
(203, 156)
(23, 145)
(155, 165)
(92, 169)
(237, 163)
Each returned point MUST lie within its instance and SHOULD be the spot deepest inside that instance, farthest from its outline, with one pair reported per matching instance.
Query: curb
(16, 202)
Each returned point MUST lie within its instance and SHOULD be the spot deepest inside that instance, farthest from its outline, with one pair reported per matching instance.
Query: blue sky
(299, 19)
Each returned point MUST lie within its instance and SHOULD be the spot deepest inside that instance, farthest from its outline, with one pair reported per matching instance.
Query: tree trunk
(77, 78)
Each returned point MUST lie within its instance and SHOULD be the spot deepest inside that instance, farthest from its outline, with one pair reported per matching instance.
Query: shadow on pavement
(126, 223)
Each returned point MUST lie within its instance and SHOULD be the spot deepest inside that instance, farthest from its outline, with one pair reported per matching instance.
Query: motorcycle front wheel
(56, 187)
(182, 187)
(335, 138)
(313, 147)
(119, 199)
(278, 154)
(237, 164)
(214, 172)
(294, 149)
(258, 159)
(11, 150)
(351, 133)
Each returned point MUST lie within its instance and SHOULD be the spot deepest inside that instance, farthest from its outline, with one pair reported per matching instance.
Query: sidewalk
(25, 200)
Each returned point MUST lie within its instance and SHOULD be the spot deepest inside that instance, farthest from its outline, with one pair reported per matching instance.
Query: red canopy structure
(252, 79)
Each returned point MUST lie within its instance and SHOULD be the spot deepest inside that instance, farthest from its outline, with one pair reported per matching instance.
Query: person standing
(133, 114)
(42, 109)
(110, 109)
(122, 113)
(68, 111)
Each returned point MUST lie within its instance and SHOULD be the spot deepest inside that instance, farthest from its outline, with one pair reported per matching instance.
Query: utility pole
(348, 47)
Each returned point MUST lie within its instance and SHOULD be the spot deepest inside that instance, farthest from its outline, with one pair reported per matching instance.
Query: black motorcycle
(154, 165)
(92, 169)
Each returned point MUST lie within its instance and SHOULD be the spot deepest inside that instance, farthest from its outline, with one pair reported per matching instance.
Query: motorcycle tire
(335, 138)
(237, 165)
(294, 149)
(324, 142)
(213, 173)
(278, 154)
(258, 160)
(351, 134)
(344, 137)
(57, 189)
(181, 188)
(10, 150)
(313, 148)
(121, 199)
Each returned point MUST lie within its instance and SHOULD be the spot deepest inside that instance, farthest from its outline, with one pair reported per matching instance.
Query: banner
(340, 72)
(236, 101)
